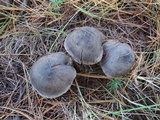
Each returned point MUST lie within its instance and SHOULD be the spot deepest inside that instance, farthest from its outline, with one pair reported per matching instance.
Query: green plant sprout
(114, 85)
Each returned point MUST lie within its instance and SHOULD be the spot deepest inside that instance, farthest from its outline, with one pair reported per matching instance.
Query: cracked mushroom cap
(52, 75)
(118, 59)
(85, 45)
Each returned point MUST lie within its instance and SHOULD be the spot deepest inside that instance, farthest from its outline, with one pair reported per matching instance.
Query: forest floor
(39, 27)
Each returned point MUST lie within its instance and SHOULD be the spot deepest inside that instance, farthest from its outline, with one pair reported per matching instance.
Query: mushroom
(52, 75)
(85, 45)
(118, 59)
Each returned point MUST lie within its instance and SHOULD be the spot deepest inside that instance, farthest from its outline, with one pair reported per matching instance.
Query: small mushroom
(85, 45)
(52, 75)
(118, 59)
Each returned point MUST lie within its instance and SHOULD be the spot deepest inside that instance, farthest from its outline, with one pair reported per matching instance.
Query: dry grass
(40, 27)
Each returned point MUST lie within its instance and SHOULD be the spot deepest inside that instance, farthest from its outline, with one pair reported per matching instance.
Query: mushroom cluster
(52, 75)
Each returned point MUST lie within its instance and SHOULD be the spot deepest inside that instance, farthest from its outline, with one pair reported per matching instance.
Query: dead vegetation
(40, 27)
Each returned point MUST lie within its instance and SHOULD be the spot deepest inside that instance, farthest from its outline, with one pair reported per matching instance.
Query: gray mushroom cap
(118, 59)
(52, 75)
(85, 45)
